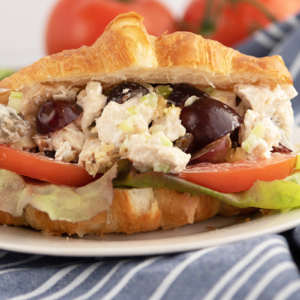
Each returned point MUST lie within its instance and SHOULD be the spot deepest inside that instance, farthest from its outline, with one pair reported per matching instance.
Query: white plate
(189, 237)
(186, 238)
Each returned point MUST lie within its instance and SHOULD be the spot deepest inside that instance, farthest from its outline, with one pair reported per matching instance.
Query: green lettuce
(80, 204)
(278, 194)
(11, 187)
(59, 202)
(5, 73)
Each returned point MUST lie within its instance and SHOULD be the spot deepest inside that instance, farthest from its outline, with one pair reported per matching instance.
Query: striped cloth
(259, 268)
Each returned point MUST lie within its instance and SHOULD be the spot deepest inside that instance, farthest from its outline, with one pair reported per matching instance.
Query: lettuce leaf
(59, 202)
(80, 204)
(278, 194)
(71, 203)
(11, 188)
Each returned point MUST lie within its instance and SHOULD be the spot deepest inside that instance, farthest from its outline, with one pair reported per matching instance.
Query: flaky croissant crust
(125, 51)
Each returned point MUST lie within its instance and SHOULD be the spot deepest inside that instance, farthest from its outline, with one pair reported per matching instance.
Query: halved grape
(55, 115)
(208, 120)
(281, 149)
(126, 90)
(213, 153)
(185, 143)
(181, 92)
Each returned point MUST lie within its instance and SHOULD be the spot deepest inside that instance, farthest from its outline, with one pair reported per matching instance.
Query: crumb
(239, 220)
(266, 212)
(67, 238)
(247, 220)
(4, 225)
(211, 228)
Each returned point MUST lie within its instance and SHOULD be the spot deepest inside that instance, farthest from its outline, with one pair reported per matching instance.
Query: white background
(22, 28)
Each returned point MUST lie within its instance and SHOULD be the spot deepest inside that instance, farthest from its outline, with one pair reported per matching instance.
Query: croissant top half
(125, 51)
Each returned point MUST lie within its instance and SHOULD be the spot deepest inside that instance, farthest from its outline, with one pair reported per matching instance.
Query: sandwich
(138, 132)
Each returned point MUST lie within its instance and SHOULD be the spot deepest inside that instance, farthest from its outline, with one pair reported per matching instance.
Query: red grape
(181, 92)
(208, 120)
(124, 91)
(55, 115)
(214, 152)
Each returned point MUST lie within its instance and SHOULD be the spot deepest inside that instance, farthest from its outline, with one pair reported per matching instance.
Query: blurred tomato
(229, 21)
(74, 23)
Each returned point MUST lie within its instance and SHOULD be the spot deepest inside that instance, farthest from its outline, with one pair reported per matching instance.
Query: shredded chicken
(96, 156)
(122, 130)
(92, 101)
(169, 123)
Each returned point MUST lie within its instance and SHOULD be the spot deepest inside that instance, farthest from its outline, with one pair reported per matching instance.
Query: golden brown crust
(41, 221)
(180, 209)
(125, 51)
(166, 209)
(7, 219)
(123, 216)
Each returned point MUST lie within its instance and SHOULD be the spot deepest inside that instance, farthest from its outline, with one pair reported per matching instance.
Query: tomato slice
(43, 168)
(240, 176)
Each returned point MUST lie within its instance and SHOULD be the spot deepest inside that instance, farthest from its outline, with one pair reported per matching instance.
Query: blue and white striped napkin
(259, 268)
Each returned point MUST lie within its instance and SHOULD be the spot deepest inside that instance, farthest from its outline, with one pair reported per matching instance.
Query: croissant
(125, 52)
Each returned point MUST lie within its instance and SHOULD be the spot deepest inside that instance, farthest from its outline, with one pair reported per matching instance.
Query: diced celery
(16, 95)
(108, 148)
(209, 90)
(166, 110)
(127, 125)
(164, 90)
(298, 162)
(256, 133)
(157, 128)
(125, 146)
(161, 167)
(150, 100)
(165, 141)
(133, 110)
(146, 135)
(15, 103)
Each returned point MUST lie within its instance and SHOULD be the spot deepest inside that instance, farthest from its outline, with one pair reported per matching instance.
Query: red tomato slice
(240, 176)
(43, 168)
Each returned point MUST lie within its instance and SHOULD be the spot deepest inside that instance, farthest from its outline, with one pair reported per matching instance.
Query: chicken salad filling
(157, 127)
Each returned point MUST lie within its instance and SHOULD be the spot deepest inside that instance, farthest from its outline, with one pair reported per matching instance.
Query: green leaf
(70, 203)
(208, 27)
(278, 194)
(59, 202)
(11, 188)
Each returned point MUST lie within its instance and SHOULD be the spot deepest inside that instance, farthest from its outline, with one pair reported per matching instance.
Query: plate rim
(167, 245)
